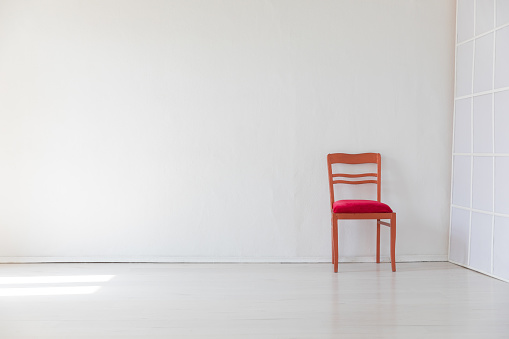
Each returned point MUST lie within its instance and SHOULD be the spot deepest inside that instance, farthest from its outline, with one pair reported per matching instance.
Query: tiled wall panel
(501, 249)
(480, 177)
(480, 242)
(460, 235)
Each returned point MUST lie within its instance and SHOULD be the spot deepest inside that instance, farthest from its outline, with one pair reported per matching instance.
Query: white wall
(480, 192)
(198, 130)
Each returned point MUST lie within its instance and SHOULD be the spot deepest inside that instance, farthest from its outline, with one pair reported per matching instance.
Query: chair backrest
(341, 178)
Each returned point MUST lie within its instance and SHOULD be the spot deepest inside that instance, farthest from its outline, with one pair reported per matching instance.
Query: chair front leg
(335, 241)
(332, 236)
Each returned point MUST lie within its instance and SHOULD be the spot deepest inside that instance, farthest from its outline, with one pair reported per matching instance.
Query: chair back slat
(354, 175)
(345, 158)
(355, 182)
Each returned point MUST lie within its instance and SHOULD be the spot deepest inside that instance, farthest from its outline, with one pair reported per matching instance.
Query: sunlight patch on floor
(55, 279)
(64, 290)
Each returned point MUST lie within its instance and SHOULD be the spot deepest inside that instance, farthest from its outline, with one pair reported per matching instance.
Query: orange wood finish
(363, 158)
(355, 175)
(357, 182)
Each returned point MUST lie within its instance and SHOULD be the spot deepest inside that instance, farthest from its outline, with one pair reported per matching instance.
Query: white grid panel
(479, 231)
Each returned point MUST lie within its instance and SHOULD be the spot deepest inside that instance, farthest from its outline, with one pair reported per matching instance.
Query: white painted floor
(420, 300)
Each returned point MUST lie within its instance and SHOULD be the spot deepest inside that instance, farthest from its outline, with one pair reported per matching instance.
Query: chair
(359, 209)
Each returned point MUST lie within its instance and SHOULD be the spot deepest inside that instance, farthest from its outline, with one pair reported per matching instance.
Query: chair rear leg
(377, 241)
(393, 242)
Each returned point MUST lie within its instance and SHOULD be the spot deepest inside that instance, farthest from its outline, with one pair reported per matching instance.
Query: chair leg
(332, 237)
(393, 242)
(335, 240)
(377, 241)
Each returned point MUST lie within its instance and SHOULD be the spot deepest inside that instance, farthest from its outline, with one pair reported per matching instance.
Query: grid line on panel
(493, 137)
(484, 154)
(484, 92)
(482, 34)
(451, 205)
(495, 13)
(453, 134)
(471, 140)
(481, 211)
(473, 73)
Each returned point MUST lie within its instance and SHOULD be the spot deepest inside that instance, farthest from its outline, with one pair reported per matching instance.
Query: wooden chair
(359, 209)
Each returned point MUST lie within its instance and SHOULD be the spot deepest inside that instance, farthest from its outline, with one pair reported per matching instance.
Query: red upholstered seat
(360, 206)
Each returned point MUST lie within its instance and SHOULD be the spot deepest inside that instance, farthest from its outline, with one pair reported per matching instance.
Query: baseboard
(399, 258)
(478, 271)
(164, 259)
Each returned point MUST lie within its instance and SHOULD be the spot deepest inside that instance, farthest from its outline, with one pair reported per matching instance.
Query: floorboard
(363, 300)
